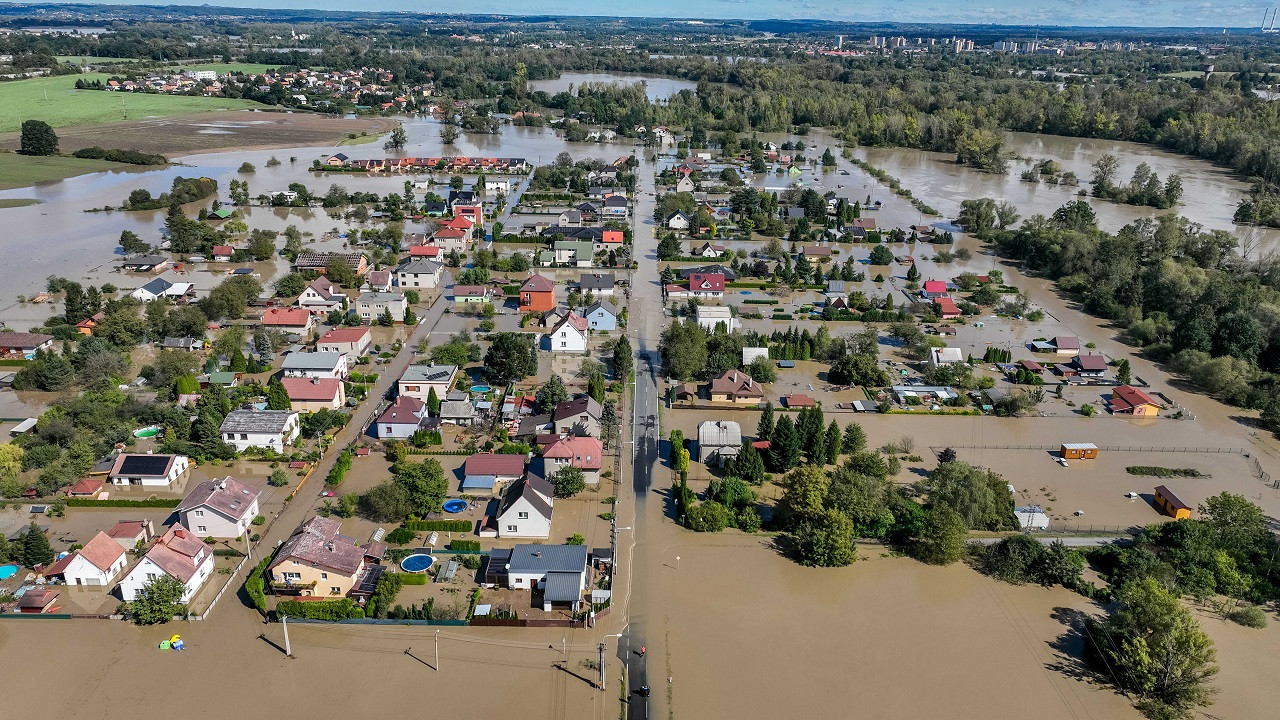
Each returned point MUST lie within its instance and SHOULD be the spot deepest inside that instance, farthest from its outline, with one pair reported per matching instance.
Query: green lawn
(18, 202)
(21, 171)
(56, 101)
(360, 139)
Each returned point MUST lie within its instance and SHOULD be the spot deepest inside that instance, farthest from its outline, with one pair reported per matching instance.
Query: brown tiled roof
(736, 382)
(22, 340)
(317, 542)
(307, 389)
(538, 283)
(175, 552)
(582, 452)
(1127, 397)
(495, 464)
(227, 496)
(101, 551)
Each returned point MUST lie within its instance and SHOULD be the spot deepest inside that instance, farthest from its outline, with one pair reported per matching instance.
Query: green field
(56, 101)
(22, 171)
(18, 202)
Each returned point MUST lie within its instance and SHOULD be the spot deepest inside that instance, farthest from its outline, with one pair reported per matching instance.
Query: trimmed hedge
(465, 545)
(227, 552)
(1162, 472)
(255, 585)
(342, 609)
(438, 525)
(15, 362)
(340, 468)
(148, 503)
(753, 301)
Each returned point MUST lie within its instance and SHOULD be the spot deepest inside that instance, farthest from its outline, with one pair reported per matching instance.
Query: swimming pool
(417, 563)
(147, 432)
(480, 388)
(8, 571)
(456, 505)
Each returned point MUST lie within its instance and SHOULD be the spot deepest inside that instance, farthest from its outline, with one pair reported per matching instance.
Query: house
(925, 393)
(945, 356)
(317, 561)
(378, 281)
(321, 296)
(710, 285)
(499, 186)
(430, 252)
(457, 412)
(352, 342)
(570, 336)
(718, 441)
(317, 365)
(579, 451)
(161, 288)
(293, 320)
(598, 284)
(223, 253)
(1171, 503)
(1078, 451)
(336, 160)
(88, 487)
(685, 184)
(711, 317)
(19, 344)
(1130, 400)
(796, 401)
(609, 239)
(187, 344)
(464, 295)
(709, 250)
(148, 471)
(220, 508)
(146, 264)
(419, 273)
(538, 293)
(181, 555)
(419, 380)
(525, 508)
(128, 534)
(1067, 345)
(310, 395)
(559, 571)
(727, 272)
(401, 419)
(86, 326)
(97, 563)
(947, 308)
(373, 305)
(602, 316)
(736, 386)
(677, 221)
(318, 262)
(578, 416)
(614, 206)
(1031, 517)
(1090, 365)
(575, 253)
(267, 429)
(570, 218)
(816, 251)
(485, 470)
(934, 289)
(38, 601)
(451, 239)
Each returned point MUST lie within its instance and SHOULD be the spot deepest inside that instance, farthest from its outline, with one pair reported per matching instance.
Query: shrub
(1162, 472)
(1248, 616)
(259, 520)
(255, 585)
(341, 609)
(340, 468)
(401, 536)
(438, 525)
(465, 545)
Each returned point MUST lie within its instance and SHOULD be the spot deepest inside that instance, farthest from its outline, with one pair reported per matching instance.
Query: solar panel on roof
(141, 465)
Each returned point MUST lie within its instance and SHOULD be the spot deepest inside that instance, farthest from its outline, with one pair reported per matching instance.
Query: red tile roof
(581, 451)
(424, 251)
(935, 286)
(286, 317)
(406, 410)
(308, 390)
(495, 464)
(1127, 397)
(226, 496)
(130, 529)
(798, 400)
(612, 236)
(538, 283)
(450, 234)
(87, 486)
(176, 552)
(345, 335)
(706, 281)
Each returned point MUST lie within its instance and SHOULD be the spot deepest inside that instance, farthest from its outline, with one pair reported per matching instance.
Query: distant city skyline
(1136, 13)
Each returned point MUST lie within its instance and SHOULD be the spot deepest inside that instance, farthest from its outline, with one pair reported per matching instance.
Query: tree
(669, 248)
(397, 139)
(684, 349)
(552, 393)
(290, 285)
(449, 133)
(277, 396)
(764, 428)
(10, 461)
(804, 492)
(568, 481)
(825, 540)
(387, 501)
(1155, 647)
(833, 443)
(785, 445)
(38, 138)
(881, 255)
(748, 465)
(621, 359)
(35, 547)
(979, 496)
(977, 216)
(595, 387)
(942, 539)
(761, 370)
(913, 273)
(511, 356)
(158, 601)
(855, 438)
(1124, 373)
(433, 402)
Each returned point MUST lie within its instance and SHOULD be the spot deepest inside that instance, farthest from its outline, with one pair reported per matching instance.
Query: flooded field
(656, 87)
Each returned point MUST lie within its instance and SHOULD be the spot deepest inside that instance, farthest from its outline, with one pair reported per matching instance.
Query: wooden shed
(1171, 504)
(1079, 451)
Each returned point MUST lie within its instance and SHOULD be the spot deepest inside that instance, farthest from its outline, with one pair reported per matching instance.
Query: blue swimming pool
(455, 506)
(480, 388)
(8, 571)
(417, 563)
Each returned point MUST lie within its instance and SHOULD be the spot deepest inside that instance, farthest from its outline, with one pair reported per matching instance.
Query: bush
(332, 610)
(465, 545)
(438, 525)
(1162, 472)
(255, 585)
(401, 536)
(413, 578)
(1248, 616)
(340, 468)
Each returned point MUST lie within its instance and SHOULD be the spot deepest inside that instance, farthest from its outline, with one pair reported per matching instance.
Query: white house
(419, 380)
(499, 185)
(181, 555)
(371, 305)
(559, 570)
(321, 296)
(222, 508)
(352, 342)
(419, 273)
(710, 316)
(402, 418)
(161, 288)
(148, 471)
(945, 356)
(684, 184)
(268, 429)
(317, 365)
(570, 336)
(525, 509)
(97, 563)
(678, 221)
(718, 441)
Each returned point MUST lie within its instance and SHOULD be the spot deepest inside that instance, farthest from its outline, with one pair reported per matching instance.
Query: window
(198, 513)
(523, 515)
(244, 436)
(324, 576)
(511, 528)
(201, 528)
(151, 576)
(335, 590)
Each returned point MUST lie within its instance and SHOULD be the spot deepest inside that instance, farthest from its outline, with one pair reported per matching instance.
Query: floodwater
(657, 88)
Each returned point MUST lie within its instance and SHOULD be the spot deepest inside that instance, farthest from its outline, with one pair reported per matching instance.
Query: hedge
(321, 610)
(754, 301)
(116, 503)
(340, 468)
(465, 545)
(15, 362)
(255, 585)
(412, 578)
(228, 552)
(438, 525)
(1162, 472)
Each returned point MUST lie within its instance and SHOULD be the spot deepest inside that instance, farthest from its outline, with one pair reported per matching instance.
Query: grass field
(21, 171)
(359, 139)
(18, 202)
(56, 101)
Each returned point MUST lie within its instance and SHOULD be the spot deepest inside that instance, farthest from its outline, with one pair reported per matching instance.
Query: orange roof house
(1130, 400)
(538, 294)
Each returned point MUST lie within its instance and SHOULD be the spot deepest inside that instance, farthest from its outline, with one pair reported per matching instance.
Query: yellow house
(317, 561)
(736, 386)
(1129, 400)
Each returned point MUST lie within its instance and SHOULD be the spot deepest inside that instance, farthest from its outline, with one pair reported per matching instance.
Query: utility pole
(600, 648)
(284, 622)
(437, 651)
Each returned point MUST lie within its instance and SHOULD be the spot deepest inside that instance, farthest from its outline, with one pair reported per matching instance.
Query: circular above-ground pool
(147, 432)
(8, 571)
(417, 563)
(480, 388)
(455, 506)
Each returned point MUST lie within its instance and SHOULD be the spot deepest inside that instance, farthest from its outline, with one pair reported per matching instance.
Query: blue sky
(1152, 13)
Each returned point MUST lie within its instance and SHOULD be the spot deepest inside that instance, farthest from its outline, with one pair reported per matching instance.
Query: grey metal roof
(457, 409)
(523, 488)
(605, 305)
(311, 361)
(420, 267)
(562, 587)
(256, 421)
(379, 297)
(548, 559)
(597, 281)
(428, 373)
(157, 286)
